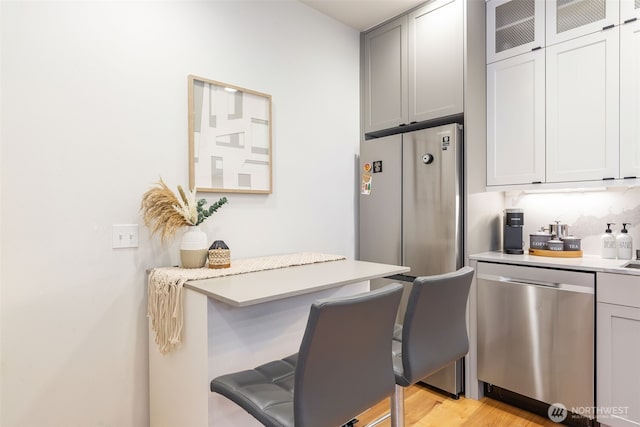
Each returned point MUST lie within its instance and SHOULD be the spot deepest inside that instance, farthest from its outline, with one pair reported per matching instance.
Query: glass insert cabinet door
(229, 138)
(568, 19)
(514, 27)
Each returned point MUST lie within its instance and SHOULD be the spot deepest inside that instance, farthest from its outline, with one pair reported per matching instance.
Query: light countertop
(269, 285)
(586, 263)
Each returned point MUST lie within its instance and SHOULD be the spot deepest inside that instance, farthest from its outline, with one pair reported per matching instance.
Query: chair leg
(379, 420)
(397, 407)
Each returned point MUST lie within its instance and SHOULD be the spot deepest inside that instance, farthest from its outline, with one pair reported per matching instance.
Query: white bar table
(238, 322)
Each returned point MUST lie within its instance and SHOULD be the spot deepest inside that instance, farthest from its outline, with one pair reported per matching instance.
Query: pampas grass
(159, 211)
(163, 212)
(187, 206)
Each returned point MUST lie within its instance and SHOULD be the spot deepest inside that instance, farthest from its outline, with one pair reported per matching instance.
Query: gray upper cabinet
(435, 60)
(413, 67)
(385, 76)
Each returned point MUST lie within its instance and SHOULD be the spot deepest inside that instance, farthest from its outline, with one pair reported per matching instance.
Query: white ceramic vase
(194, 247)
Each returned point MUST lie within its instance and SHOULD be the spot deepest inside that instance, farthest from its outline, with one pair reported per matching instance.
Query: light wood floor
(426, 408)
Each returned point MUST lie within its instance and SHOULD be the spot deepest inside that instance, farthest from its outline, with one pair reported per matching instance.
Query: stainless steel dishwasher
(536, 332)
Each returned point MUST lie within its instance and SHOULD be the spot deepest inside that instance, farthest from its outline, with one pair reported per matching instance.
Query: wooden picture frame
(229, 138)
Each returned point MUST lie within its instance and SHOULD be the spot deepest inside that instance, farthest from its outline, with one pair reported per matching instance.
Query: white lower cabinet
(618, 350)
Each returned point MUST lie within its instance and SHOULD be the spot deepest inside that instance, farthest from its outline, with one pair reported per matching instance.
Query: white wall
(93, 111)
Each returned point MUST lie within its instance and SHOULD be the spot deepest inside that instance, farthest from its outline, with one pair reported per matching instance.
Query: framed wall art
(229, 138)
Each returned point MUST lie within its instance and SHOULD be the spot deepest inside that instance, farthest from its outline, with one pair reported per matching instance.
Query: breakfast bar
(238, 322)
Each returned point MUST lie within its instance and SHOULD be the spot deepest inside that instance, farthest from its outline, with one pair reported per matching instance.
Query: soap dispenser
(624, 242)
(608, 243)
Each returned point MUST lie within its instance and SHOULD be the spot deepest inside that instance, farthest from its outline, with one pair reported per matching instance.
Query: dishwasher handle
(531, 282)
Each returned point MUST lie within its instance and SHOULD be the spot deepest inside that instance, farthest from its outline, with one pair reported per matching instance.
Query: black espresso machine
(512, 232)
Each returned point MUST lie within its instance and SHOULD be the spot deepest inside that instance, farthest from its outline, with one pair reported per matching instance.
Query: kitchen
(110, 85)
(536, 327)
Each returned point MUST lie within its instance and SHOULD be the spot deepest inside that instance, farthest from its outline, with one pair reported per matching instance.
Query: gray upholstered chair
(433, 333)
(344, 366)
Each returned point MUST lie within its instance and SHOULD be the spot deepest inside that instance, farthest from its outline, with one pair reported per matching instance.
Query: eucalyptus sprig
(204, 213)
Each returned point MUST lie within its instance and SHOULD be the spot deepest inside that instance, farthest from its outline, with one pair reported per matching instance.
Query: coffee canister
(571, 243)
(539, 240)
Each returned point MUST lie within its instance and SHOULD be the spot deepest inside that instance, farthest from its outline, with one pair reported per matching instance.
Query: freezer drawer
(536, 332)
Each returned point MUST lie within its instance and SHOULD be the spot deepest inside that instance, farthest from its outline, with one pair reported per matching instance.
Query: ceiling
(362, 14)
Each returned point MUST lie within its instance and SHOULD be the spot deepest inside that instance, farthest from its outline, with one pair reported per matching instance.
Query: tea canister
(556, 245)
(571, 243)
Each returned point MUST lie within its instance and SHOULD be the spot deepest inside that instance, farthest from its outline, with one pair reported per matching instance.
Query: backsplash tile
(587, 213)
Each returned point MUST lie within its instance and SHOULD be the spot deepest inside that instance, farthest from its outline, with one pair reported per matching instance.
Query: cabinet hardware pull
(402, 124)
(608, 27)
(608, 179)
(536, 48)
(413, 123)
(536, 182)
(630, 177)
(630, 20)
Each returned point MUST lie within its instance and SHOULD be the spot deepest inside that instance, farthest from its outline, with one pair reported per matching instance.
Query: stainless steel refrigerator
(411, 212)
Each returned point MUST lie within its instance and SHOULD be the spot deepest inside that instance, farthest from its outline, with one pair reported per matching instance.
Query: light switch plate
(125, 236)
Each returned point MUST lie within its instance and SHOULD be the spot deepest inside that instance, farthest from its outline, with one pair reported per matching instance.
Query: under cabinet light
(566, 190)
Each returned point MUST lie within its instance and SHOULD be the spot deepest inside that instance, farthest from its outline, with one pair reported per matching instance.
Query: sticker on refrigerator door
(365, 187)
(377, 166)
(445, 143)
